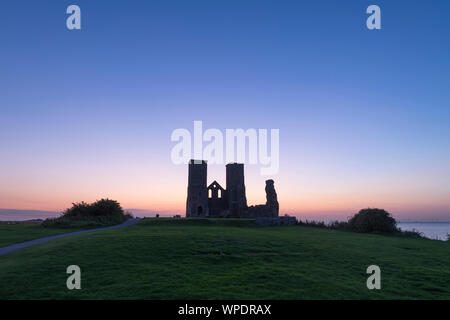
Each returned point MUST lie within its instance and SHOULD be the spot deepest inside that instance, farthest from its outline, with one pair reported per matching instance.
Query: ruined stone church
(215, 201)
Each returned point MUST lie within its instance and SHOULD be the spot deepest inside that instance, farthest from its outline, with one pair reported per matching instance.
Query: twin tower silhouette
(215, 201)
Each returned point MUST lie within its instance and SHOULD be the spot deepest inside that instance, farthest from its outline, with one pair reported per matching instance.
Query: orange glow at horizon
(172, 198)
(164, 190)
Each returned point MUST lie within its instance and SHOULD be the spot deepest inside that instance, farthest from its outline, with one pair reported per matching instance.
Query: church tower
(237, 201)
(197, 194)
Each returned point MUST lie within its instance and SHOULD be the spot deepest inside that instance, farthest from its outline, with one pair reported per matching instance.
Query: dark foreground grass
(228, 259)
(17, 233)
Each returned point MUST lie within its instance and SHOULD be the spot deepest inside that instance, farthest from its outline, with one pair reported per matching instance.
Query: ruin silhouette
(215, 201)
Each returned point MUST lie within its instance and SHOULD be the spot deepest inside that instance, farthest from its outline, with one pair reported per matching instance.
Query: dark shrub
(314, 224)
(103, 212)
(373, 220)
(100, 208)
(410, 233)
(106, 207)
(368, 221)
(339, 225)
(81, 209)
(333, 225)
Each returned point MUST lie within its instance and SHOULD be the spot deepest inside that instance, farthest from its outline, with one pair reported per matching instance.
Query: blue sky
(363, 115)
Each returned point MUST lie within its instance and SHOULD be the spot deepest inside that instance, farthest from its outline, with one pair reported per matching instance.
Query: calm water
(432, 230)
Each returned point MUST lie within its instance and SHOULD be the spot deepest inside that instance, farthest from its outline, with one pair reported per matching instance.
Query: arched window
(209, 193)
(219, 192)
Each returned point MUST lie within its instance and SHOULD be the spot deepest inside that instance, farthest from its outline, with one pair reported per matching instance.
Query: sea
(431, 230)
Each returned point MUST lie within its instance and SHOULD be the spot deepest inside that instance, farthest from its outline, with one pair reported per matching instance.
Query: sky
(364, 115)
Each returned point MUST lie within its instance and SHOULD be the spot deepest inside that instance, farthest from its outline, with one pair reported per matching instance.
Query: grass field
(17, 233)
(227, 259)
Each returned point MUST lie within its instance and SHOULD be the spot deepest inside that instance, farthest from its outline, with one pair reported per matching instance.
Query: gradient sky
(364, 116)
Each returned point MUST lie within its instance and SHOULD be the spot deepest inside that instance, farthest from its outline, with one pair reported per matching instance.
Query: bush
(314, 224)
(100, 208)
(373, 220)
(333, 225)
(367, 221)
(410, 234)
(103, 212)
(339, 225)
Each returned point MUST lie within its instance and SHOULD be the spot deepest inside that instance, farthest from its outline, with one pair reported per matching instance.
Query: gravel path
(19, 246)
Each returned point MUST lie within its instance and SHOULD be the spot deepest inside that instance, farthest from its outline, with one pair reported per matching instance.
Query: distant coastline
(436, 230)
(22, 215)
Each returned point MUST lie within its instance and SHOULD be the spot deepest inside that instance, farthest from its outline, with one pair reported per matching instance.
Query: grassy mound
(198, 259)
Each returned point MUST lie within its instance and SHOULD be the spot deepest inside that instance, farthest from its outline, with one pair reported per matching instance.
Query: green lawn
(17, 233)
(227, 259)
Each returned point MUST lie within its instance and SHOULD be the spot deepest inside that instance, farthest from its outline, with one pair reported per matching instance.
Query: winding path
(18, 246)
